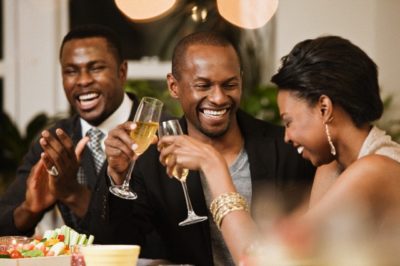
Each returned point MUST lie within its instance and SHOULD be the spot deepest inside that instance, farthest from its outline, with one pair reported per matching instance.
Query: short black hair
(96, 30)
(335, 67)
(198, 38)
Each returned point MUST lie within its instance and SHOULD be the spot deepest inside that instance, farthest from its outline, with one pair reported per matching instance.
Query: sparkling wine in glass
(172, 127)
(146, 118)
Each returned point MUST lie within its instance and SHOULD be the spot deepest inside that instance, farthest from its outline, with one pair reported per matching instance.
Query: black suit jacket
(161, 204)
(96, 221)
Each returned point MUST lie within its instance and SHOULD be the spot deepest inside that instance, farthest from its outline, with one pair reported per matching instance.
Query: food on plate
(55, 242)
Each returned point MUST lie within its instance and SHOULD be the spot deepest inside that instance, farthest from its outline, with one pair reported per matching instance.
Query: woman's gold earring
(328, 134)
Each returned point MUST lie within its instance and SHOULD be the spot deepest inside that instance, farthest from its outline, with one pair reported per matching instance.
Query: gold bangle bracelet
(226, 203)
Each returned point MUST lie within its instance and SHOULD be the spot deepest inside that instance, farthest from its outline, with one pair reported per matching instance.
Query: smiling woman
(301, 126)
(328, 104)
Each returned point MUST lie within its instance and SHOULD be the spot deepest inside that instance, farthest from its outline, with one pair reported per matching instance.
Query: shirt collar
(119, 116)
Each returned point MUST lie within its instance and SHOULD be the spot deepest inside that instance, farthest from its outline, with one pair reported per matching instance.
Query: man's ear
(326, 108)
(123, 71)
(172, 86)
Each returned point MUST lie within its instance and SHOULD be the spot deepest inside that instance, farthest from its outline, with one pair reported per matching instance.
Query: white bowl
(111, 255)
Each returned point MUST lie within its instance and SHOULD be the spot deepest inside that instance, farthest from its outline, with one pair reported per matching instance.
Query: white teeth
(88, 97)
(214, 113)
(300, 149)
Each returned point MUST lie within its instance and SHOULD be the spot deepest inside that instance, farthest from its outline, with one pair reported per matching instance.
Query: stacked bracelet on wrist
(226, 203)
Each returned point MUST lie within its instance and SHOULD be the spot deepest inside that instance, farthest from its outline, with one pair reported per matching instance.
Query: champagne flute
(146, 119)
(172, 127)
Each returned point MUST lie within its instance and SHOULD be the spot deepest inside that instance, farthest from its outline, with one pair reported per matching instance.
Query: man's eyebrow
(224, 81)
(232, 79)
(201, 79)
(90, 63)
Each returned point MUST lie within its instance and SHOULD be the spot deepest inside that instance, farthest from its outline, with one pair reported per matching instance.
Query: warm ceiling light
(250, 14)
(199, 14)
(144, 10)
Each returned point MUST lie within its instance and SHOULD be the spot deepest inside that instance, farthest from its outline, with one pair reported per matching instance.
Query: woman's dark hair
(334, 67)
(95, 30)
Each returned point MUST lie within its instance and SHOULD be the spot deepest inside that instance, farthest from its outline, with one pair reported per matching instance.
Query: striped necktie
(94, 144)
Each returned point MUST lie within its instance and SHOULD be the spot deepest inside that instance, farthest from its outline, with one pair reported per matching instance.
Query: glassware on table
(77, 258)
(172, 127)
(146, 118)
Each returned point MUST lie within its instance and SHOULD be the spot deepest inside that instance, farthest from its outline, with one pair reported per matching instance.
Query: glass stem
(187, 198)
(125, 185)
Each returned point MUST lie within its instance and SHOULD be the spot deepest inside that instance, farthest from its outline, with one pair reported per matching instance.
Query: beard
(214, 134)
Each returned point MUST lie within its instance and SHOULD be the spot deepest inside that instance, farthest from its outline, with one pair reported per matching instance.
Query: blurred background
(31, 94)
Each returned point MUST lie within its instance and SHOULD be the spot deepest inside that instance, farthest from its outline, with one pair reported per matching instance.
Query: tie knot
(95, 135)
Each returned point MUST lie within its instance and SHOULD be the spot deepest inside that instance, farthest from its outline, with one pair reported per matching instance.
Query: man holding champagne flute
(206, 79)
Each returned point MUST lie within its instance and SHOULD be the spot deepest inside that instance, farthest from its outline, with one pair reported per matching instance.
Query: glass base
(122, 193)
(192, 219)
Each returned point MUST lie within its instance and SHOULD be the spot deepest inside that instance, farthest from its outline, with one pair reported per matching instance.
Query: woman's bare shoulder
(371, 182)
(375, 166)
(376, 177)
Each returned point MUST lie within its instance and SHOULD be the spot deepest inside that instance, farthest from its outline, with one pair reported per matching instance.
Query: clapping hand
(59, 154)
(53, 178)
(38, 196)
(45, 186)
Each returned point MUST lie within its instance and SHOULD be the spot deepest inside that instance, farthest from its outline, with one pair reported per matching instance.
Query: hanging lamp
(248, 14)
(144, 10)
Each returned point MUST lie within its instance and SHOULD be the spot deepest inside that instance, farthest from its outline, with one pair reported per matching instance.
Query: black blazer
(161, 204)
(96, 220)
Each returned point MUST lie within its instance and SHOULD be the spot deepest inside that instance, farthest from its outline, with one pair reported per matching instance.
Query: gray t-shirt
(240, 172)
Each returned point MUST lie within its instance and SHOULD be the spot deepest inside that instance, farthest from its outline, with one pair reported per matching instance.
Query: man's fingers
(166, 140)
(46, 161)
(127, 126)
(37, 171)
(55, 149)
(119, 143)
(65, 142)
(115, 152)
(50, 143)
(118, 178)
(166, 150)
(80, 147)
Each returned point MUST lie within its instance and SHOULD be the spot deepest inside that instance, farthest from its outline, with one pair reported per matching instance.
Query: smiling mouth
(300, 149)
(214, 113)
(88, 97)
(88, 100)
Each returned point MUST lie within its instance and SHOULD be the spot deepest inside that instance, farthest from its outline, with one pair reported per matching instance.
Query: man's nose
(218, 95)
(85, 78)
